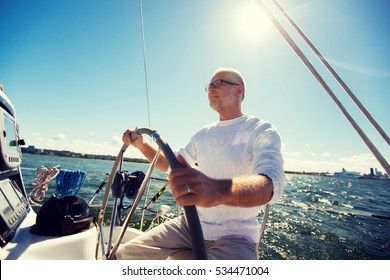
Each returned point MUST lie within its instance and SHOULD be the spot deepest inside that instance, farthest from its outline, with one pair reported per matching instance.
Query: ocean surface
(318, 218)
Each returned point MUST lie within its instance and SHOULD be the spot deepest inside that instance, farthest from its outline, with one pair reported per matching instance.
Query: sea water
(318, 218)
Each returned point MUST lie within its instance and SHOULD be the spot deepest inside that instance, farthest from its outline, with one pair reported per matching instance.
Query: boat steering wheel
(198, 246)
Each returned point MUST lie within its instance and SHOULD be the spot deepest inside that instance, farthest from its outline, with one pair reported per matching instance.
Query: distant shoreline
(326, 174)
(48, 152)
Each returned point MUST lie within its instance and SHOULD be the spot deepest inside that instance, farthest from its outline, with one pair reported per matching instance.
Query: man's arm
(191, 187)
(249, 191)
(149, 152)
(146, 149)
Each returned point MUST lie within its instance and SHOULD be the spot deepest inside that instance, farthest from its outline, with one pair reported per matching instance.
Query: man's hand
(191, 187)
(126, 138)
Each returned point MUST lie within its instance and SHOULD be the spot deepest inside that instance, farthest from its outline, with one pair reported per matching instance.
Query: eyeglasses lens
(215, 84)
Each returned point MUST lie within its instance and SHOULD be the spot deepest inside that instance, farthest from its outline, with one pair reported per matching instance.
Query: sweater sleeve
(189, 153)
(267, 158)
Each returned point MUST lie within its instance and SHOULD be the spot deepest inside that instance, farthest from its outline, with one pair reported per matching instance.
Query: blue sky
(74, 71)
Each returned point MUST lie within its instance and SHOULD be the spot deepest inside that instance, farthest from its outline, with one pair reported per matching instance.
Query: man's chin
(214, 105)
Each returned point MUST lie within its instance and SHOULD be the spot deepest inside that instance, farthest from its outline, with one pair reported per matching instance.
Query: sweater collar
(232, 121)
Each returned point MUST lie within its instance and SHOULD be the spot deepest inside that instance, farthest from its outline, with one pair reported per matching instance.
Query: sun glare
(252, 23)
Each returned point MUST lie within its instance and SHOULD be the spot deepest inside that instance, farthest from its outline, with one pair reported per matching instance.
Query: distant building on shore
(32, 150)
(375, 175)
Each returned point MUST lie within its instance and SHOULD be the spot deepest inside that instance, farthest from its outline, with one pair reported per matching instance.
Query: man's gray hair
(235, 73)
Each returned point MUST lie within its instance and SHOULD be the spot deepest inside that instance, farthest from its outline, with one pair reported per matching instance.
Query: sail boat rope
(144, 57)
(69, 182)
(43, 177)
(319, 78)
(333, 72)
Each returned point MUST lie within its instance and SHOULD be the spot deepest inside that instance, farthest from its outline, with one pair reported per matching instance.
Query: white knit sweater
(226, 149)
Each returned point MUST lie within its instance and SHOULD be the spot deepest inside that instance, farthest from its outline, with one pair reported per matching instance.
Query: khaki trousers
(173, 239)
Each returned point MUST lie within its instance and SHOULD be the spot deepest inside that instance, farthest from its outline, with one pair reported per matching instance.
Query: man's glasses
(218, 83)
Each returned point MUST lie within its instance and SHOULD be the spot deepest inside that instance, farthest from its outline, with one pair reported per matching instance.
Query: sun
(251, 22)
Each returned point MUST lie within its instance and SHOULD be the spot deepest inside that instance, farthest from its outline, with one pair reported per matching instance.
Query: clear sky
(74, 71)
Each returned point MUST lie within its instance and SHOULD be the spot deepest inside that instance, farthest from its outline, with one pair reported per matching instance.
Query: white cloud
(361, 163)
(59, 136)
(363, 70)
(116, 140)
(93, 145)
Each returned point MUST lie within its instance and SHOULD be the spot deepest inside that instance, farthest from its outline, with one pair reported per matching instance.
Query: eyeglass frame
(208, 86)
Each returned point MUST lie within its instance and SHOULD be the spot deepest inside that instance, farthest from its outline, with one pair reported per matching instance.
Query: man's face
(227, 95)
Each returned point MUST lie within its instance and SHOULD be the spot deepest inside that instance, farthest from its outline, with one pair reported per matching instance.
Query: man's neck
(226, 117)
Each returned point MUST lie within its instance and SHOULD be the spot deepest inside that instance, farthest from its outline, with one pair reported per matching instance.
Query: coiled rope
(69, 182)
(43, 177)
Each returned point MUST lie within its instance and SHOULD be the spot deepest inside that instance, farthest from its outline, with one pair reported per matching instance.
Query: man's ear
(239, 91)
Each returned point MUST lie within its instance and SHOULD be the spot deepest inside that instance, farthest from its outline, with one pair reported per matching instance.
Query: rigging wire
(333, 72)
(319, 78)
(144, 56)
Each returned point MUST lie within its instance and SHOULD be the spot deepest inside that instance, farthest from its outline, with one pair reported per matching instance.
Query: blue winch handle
(198, 246)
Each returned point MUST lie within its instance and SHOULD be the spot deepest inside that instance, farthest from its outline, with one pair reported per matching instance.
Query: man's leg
(232, 248)
(158, 243)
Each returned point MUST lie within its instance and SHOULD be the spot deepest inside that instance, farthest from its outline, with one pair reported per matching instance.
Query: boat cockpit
(17, 218)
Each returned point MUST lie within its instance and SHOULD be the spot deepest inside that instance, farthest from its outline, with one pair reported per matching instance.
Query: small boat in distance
(347, 174)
